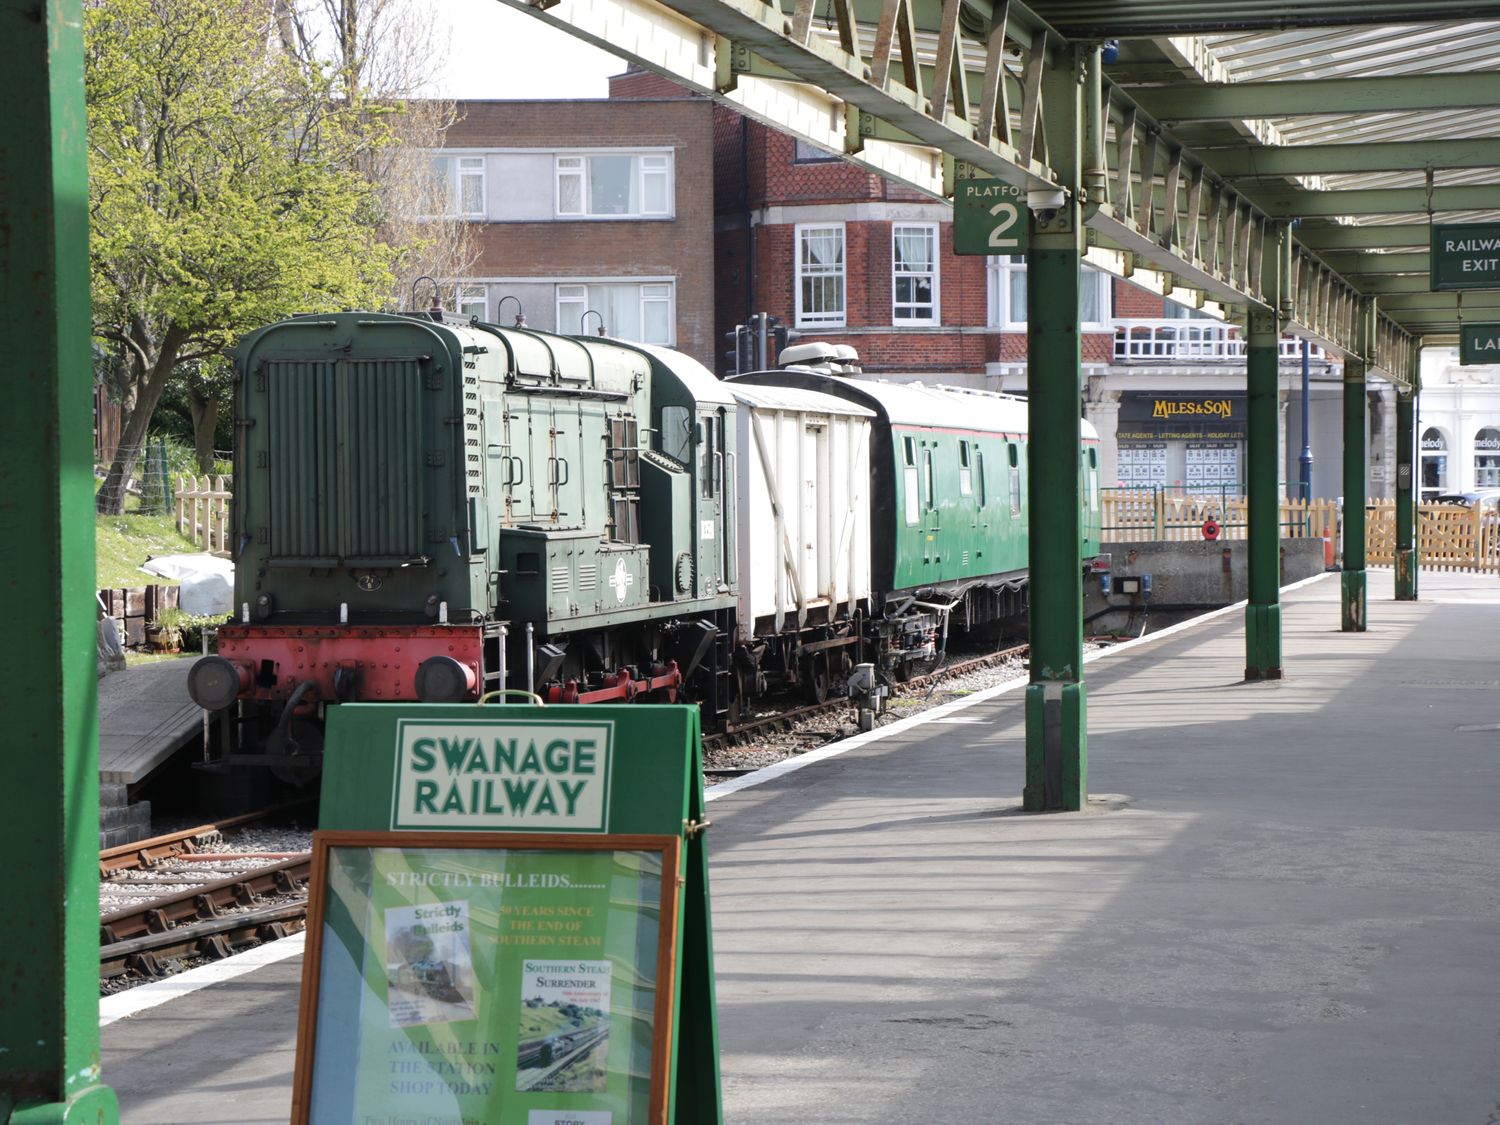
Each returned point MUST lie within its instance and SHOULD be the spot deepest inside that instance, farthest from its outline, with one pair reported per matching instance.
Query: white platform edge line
(790, 765)
(122, 1005)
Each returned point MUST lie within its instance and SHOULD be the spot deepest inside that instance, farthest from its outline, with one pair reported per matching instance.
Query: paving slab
(1283, 905)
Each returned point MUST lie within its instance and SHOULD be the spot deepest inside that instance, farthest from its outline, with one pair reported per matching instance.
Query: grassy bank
(123, 543)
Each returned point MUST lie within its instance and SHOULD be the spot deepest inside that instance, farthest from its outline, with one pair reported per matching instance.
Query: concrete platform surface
(144, 715)
(1283, 906)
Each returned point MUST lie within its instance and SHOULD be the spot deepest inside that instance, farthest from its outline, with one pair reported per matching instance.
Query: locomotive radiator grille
(345, 459)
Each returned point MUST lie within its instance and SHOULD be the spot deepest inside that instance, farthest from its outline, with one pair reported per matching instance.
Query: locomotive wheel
(817, 677)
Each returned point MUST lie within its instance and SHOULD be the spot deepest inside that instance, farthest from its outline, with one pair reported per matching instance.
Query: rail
(203, 511)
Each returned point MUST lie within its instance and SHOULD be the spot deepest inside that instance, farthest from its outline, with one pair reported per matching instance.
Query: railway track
(145, 854)
(213, 920)
(215, 903)
(742, 733)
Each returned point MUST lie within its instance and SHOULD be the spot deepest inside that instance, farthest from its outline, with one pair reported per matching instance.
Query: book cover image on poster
(562, 1043)
(430, 970)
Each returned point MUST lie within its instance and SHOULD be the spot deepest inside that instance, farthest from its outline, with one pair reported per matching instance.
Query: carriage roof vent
(818, 355)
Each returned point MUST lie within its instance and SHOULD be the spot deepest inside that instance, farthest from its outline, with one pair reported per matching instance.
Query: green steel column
(49, 957)
(1263, 614)
(1056, 743)
(1353, 600)
(1406, 555)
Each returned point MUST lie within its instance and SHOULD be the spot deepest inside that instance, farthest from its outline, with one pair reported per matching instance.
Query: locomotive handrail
(531, 695)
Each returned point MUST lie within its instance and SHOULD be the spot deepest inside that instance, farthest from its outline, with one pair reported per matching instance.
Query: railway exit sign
(1465, 256)
(1479, 343)
(989, 217)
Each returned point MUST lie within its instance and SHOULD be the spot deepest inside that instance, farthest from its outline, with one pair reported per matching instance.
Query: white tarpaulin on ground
(207, 581)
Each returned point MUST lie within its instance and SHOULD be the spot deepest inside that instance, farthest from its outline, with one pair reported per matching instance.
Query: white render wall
(1459, 402)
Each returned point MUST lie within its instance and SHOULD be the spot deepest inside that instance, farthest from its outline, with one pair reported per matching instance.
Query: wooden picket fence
(1449, 536)
(203, 511)
(1147, 514)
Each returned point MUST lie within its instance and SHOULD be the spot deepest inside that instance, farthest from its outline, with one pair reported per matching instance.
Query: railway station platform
(145, 716)
(1282, 905)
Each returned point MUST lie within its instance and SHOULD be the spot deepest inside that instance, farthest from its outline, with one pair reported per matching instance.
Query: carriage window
(1015, 480)
(676, 433)
(911, 496)
(927, 478)
(909, 446)
(979, 475)
(965, 474)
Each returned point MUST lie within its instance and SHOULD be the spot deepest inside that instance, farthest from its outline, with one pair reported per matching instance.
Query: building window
(641, 312)
(473, 300)
(614, 185)
(1434, 462)
(914, 273)
(456, 189)
(1006, 277)
(1171, 310)
(820, 275)
(805, 152)
(1487, 458)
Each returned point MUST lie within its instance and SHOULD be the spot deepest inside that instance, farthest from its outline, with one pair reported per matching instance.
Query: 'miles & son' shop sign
(533, 776)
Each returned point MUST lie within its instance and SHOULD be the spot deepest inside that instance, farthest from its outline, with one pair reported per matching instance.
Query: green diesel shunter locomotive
(432, 509)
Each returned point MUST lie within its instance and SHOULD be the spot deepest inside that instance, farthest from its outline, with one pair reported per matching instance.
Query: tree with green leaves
(224, 193)
(385, 54)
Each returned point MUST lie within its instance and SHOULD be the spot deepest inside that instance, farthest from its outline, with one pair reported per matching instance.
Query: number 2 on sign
(1010, 214)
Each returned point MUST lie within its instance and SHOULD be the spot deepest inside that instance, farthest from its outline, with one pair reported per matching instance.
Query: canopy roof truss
(1240, 168)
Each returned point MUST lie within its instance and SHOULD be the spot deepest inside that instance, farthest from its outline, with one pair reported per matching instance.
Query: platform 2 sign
(556, 971)
(989, 217)
(1479, 343)
(1465, 256)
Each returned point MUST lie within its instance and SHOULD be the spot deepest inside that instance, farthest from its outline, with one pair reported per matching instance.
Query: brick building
(590, 213)
(840, 254)
(605, 212)
(837, 252)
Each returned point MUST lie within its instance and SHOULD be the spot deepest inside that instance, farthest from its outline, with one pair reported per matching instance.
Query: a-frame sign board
(509, 921)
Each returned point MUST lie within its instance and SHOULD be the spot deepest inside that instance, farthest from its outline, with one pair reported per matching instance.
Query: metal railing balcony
(1191, 341)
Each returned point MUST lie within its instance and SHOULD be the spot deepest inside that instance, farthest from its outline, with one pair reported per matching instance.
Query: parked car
(1485, 497)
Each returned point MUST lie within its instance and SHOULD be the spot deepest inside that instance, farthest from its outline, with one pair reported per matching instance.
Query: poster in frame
(493, 978)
